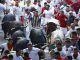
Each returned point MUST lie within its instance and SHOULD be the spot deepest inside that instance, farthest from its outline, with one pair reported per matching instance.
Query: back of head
(2, 1)
(10, 57)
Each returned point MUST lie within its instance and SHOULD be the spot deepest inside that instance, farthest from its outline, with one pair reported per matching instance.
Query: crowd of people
(62, 44)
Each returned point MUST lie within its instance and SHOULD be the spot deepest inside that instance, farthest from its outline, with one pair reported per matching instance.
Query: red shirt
(62, 58)
(5, 57)
(76, 6)
(44, 8)
(61, 18)
(27, 58)
(69, 2)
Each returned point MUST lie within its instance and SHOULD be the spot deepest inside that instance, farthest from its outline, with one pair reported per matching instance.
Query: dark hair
(56, 54)
(74, 33)
(76, 19)
(45, 3)
(75, 49)
(35, 0)
(48, 6)
(6, 52)
(59, 43)
(26, 54)
(10, 57)
(2, 1)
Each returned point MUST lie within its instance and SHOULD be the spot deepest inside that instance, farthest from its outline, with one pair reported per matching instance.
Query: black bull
(16, 30)
(37, 37)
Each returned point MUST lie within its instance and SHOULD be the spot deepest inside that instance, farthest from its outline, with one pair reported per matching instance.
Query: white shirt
(48, 14)
(78, 57)
(8, 2)
(55, 2)
(17, 10)
(69, 51)
(63, 54)
(42, 3)
(2, 8)
(58, 33)
(33, 53)
(47, 54)
(4, 46)
(69, 33)
(17, 57)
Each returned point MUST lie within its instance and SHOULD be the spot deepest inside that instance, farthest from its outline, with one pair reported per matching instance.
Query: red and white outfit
(6, 46)
(62, 19)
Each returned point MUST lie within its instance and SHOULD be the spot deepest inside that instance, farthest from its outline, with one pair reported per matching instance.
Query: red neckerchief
(10, 46)
(27, 58)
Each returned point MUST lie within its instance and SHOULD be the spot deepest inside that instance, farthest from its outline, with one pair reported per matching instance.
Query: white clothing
(17, 57)
(2, 8)
(58, 35)
(74, 13)
(68, 50)
(33, 53)
(17, 10)
(63, 54)
(78, 58)
(4, 46)
(42, 3)
(69, 33)
(42, 21)
(28, 32)
(55, 2)
(66, 13)
(79, 23)
(48, 14)
(8, 1)
(47, 54)
(64, 30)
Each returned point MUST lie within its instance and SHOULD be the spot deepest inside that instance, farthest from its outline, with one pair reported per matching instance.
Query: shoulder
(25, 50)
(4, 44)
(36, 49)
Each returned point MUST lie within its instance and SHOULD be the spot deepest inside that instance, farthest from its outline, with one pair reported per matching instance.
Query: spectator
(18, 56)
(10, 57)
(44, 8)
(7, 46)
(76, 22)
(71, 18)
(26, 56)
(33, 52)
(58, 56)
(68, 48)
(75, 54)
(74, 38)
(5, 56)
(62, 19)
(69, 2)
(76, 7)
(60, 49)
(2, 9)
